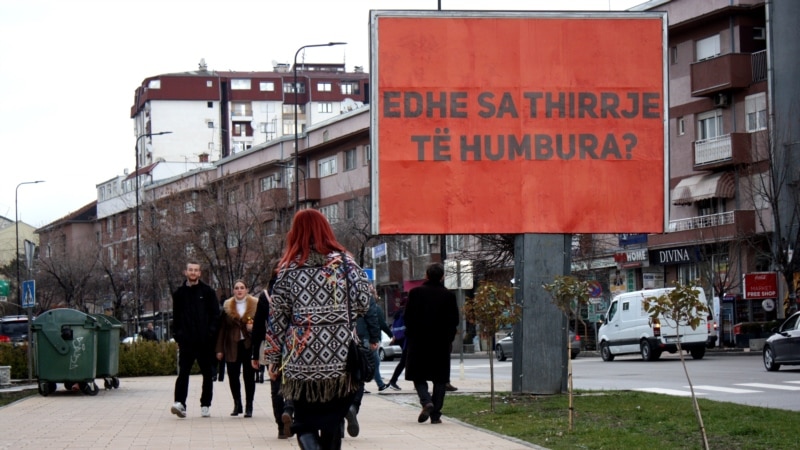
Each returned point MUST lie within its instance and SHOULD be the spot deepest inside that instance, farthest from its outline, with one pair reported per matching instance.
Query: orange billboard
(518, 122)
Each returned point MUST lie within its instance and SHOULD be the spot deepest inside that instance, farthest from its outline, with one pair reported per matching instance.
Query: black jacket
(195, 314)
(367, 326)
(431, 323)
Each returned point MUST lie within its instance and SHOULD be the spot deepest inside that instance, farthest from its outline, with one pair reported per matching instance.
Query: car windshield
(15, 328)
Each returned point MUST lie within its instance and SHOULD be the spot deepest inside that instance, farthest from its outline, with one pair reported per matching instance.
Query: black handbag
(360, 359)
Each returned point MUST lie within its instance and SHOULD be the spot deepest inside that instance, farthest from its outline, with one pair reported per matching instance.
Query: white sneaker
(205, 412)
(178, 409)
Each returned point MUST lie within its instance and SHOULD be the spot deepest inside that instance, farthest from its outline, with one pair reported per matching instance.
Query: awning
(703, 187)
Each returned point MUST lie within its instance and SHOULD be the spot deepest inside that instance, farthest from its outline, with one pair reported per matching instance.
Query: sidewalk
(137, 416)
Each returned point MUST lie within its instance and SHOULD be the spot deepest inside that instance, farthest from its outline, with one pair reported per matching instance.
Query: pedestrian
(282, 409)
(318, 293)
(195, 311)
(399, 331)
(369, 332)
(382, 386)
(235, 346)
(431, 319)
(149, 334)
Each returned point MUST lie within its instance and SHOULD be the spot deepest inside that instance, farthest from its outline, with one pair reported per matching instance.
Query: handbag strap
(347, 290)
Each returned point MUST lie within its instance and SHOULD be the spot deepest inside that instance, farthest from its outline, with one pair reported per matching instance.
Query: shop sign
(760, 285)
(672, 256)
(632, 258)
(626, 239)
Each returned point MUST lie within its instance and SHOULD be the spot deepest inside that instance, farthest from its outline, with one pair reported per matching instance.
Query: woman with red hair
(318, 293)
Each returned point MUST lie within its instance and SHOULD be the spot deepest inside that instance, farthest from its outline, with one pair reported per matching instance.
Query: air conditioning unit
(721, 100)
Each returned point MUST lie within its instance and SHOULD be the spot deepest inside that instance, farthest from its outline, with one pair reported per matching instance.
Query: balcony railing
(730, 148)
(758, 61)
(693, 223)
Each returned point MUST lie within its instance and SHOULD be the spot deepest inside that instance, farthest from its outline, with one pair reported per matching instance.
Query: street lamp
(16, 224)
(296, 136)
(138, 266)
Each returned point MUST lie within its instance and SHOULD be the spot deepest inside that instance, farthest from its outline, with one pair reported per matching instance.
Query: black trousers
(187, 355)
(425, 397)
(248, 373)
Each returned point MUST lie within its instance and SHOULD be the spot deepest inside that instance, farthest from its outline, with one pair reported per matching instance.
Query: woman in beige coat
(235, 345)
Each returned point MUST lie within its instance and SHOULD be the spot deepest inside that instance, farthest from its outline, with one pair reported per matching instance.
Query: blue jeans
(378, 379)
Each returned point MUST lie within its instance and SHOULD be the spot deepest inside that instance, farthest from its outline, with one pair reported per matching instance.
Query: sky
(69, 70)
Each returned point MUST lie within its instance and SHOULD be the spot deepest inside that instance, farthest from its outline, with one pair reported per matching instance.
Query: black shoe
(383, 388)
(352, 421)
(237, 409)
(394, 386)
(287, 420)
(425, 413)
(436, 420)
(367, 392)
(248, 412)
(450, 388)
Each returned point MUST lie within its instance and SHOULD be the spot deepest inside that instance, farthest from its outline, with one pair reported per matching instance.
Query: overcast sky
(69, 69)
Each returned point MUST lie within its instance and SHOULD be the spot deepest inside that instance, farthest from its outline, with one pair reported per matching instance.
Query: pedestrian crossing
(742, 388)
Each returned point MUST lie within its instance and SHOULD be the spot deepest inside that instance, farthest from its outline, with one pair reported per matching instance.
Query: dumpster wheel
(90, 388)
(46, 388)
(112, 382)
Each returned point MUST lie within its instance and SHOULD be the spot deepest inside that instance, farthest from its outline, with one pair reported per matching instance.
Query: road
(739, 378)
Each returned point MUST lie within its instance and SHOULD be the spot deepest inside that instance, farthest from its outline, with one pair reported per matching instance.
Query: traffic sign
(28, 293)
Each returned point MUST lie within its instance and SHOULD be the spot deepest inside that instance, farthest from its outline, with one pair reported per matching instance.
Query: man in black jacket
(370, 334)
(195, 311)
(431, 323)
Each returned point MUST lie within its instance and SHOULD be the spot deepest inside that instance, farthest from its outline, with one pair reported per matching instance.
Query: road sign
(370, 274)
(28, 293)
(378, 251)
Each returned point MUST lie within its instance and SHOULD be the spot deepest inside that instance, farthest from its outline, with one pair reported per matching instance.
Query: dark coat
(233, 327)
(367, 326)
(431, 323)
(195, 312)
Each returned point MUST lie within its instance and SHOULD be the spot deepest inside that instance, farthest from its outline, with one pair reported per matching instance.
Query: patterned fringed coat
(309, 302)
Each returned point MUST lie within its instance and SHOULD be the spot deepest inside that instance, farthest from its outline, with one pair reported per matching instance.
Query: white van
(627, 329)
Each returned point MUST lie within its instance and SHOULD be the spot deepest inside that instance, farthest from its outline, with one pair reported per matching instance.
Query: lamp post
(138, 266)
(296, 136)
(16, 224)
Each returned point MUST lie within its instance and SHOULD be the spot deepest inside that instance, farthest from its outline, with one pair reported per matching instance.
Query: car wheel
(769, 360)
(605, 352)
(647, 352)
(498, 352)
(382, 354)
(573, 355)
(698, 353)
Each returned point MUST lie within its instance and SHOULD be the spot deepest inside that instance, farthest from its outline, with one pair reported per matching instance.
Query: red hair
(310, 231)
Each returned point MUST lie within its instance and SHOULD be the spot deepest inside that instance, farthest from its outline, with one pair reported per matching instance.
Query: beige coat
(233, 326)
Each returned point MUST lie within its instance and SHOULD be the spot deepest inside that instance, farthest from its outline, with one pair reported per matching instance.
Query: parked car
(505, 347)
(783, 347)
(388, 351)
(14, 329)
(130, 339)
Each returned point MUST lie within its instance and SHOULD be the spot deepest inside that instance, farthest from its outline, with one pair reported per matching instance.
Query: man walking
(431, 319)
(195, 320)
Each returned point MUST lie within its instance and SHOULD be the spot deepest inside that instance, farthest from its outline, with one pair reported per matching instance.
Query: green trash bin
(65, 350)
(108, 332)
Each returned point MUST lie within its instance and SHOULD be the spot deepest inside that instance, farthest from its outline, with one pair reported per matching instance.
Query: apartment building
(720, 214)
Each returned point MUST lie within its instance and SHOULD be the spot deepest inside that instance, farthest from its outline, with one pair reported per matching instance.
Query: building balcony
(310, 190)
(721, 73)
(276, 198)
(722, 151)
(727, 226)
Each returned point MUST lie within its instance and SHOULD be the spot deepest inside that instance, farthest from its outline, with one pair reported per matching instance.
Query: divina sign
(511, 122)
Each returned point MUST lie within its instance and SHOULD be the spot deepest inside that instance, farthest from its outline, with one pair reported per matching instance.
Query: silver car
(505, 347)
(388, 351)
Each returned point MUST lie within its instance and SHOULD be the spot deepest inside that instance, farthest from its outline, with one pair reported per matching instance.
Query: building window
(324, 87)
(331, 212)
(673, 55)
(240, 84)
(709, 125)
(349, 159)
(289, 88)
(688, 272)
(189, 207)
(681, 126)
(154, 84)
(325, 107)
(707, 48)
(269, 182)
(454, 242)
(209, 83)
(241, 109)
(351, 87)
(270, 227)
(351, 209)
(232, 240)
(755, 107)
(241, 129)
(266, 86)
(232, 197)
(327, 167)
(210, 124)
(210, 104)
(289, 109)
(367, 156)
(110, 225)
(248, 190)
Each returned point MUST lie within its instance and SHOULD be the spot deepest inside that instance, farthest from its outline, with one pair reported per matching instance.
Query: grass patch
(623, 420)
(10, 397)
